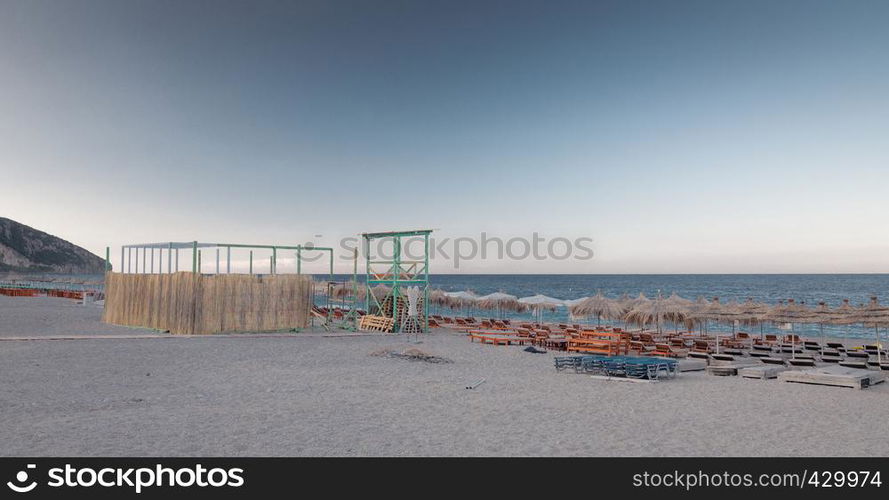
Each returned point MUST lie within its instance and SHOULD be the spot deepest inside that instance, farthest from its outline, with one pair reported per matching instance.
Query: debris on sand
(410, 354)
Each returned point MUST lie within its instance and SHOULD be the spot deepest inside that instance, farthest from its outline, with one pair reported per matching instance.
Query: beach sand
(320, 396)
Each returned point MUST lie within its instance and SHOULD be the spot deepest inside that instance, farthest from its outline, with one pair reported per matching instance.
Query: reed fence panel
(187, 303)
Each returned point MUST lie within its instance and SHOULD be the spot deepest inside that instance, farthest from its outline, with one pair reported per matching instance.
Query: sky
(679, 136)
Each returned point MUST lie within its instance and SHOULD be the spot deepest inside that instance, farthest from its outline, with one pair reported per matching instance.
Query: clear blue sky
(697, 136)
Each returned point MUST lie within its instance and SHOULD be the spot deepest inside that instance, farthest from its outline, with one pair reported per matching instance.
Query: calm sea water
(768, 288)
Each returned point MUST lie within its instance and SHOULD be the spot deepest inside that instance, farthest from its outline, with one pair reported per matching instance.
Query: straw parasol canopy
(648, 311)
(791, 312)
(599, 306)
(753, 312)
(380, 291)
(344, 290)
(702, 310)
(873, 314)
(457, 300)
(539, 303)
(845, 314)
(876, 315)
(499, 301)
(569, 303)
(821, 315)
(437, 297)
(678, 308)
(730, 313)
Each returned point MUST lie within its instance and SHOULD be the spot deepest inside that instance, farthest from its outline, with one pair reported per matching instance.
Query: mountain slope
(23, 248)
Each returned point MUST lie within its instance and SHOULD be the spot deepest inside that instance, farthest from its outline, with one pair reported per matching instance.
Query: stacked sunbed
(634, 367)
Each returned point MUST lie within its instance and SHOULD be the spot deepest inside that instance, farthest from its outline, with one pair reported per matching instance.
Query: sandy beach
(310, 395)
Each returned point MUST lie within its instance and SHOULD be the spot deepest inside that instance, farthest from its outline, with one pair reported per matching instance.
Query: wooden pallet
(371, 323)
(834, 375)
(762, 372)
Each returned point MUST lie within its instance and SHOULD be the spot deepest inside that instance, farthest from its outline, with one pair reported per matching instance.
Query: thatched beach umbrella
(703, 311)
(599, 306)
(753, 313)
(460, 300)
(648, 311)
(540, 302)
(730, 313)
(791, 312)
(845, 314)
(437, 297)
(499, 301)
(380, 291)
(823, 314)
(876, 315)
(678, 309)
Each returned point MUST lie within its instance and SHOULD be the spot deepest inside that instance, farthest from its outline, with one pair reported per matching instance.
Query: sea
(768, 288)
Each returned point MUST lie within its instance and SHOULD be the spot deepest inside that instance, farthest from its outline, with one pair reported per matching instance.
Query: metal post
(271, 264)
(152, 260)
(228, 260)
(331, 265)
(366, 241)
(199, 261)
(274, 266)
(426, 286)
(299, 260)
(251, 262)
(129, 260)
(177, 260)
(144, 256)
(194, 257)
(160, 261)
(170, 258)
(396, 275)
(217, 261)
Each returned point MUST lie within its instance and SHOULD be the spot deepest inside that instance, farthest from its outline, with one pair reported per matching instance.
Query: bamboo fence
(188, 303)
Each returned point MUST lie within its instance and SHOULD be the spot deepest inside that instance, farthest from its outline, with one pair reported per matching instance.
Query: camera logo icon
(21, 478)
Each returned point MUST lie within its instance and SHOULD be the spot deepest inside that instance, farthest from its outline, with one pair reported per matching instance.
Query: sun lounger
(568, 362)
(852, 363)
(836, 346)
(811, 346)
(667, 351)
(774, 361)
(801, 363)
(857, 354)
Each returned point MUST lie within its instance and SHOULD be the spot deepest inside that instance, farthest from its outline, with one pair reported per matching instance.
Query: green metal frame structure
(129, 265)
(398, 271)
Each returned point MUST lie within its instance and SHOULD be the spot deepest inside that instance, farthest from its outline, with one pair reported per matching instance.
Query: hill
(23, 248)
